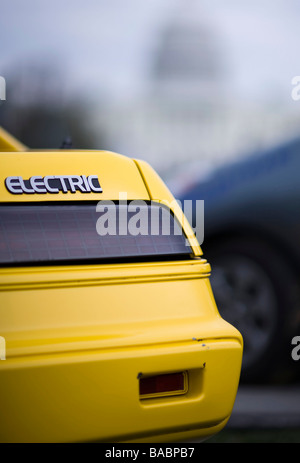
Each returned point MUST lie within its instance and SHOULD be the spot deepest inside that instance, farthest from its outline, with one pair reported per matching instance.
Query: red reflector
(163, 384)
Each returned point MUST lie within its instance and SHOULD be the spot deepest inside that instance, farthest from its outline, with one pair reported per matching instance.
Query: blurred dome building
(184, 88)
(187, 62)
(186, 114)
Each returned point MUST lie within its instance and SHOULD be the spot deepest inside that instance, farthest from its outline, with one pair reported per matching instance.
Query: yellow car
(109, 336)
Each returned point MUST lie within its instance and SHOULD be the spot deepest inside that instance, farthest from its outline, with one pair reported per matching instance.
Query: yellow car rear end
(123, 346)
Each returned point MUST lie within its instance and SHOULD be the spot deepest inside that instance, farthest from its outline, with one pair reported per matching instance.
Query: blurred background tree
(36, 113)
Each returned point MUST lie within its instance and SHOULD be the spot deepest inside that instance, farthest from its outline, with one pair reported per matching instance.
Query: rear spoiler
(10, 143)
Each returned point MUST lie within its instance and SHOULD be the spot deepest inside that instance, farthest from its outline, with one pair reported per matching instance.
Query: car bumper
(80, 339)
(95, 396)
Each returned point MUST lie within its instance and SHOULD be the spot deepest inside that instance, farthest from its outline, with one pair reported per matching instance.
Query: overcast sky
(105, 46)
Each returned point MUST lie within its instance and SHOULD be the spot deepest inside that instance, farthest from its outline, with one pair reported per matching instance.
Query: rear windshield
(54, 233)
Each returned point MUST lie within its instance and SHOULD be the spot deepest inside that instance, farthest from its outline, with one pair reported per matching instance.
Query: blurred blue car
(252, 240)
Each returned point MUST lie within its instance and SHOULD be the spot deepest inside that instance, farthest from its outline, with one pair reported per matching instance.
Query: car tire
(257, 292)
